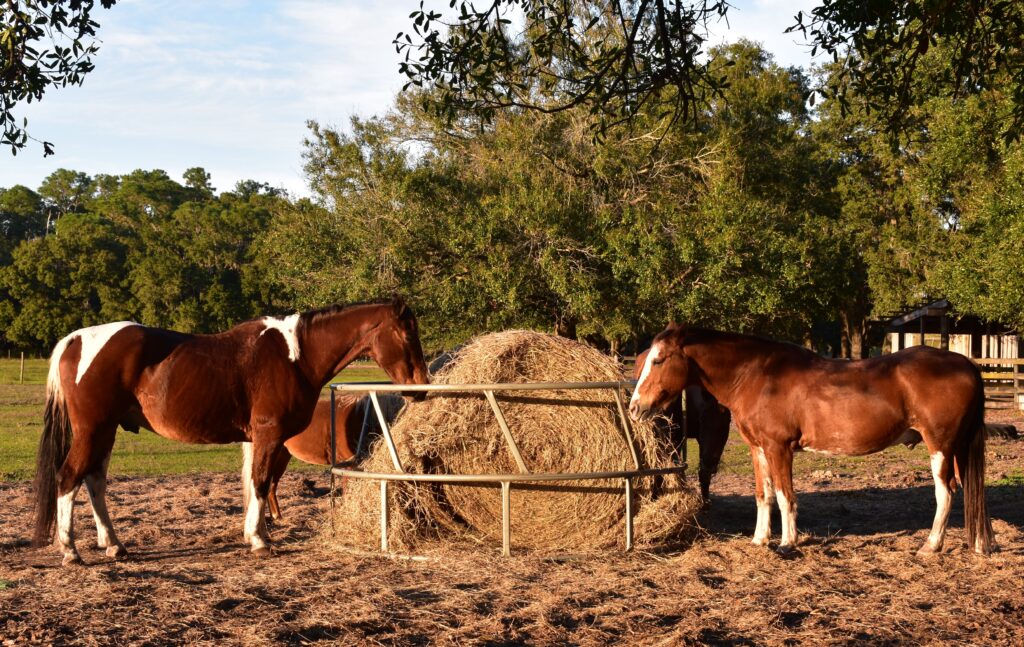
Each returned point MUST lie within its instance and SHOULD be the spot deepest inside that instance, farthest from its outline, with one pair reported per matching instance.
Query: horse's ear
(400, 307)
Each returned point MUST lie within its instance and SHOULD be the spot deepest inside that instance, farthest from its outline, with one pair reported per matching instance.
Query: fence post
(21, 376)
(1016, 385)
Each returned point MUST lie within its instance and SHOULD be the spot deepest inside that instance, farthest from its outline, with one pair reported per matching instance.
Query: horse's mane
(696, 334)
(402, 308)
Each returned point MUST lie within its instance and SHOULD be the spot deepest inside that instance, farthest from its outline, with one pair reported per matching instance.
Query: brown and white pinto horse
(258, 382)
(352, 416)
(703, 419)
(785, 398)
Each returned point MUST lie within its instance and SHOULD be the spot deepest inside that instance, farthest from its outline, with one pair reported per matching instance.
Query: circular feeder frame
(505, 481)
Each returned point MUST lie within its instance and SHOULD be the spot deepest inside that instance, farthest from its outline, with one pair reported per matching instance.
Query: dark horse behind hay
(258, 382)
(355, 420)
(785, 398)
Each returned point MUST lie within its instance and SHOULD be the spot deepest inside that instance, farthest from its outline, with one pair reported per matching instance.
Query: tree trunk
(854, 332)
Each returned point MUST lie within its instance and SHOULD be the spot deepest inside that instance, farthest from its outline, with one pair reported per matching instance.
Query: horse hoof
(117, 552)
(261, 552)
(787, 550)
(757, 541)
(928, 551)
(72, 560)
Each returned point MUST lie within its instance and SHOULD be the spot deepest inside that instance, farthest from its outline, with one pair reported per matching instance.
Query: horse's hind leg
(88, 447)
(942, 466)
(764, 494)
(96, 486)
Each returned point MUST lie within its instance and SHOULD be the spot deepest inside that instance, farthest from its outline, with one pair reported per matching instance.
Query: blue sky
(228, 85)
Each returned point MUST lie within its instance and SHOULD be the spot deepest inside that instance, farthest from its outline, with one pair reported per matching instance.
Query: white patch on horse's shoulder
(287, 326)
(94, 339)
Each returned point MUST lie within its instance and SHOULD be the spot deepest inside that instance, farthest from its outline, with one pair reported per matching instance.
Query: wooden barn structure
(993, 346)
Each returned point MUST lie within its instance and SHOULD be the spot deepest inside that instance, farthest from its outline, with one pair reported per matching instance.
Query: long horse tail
(972, 475)
(53, 450)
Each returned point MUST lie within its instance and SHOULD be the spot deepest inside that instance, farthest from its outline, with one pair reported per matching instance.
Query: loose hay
(565, 431)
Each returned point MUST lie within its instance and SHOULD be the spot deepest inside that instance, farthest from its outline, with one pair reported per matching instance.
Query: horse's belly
(853, 440)
(192, 426)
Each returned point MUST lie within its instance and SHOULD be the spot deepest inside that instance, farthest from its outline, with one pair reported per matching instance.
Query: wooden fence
(1004, 382)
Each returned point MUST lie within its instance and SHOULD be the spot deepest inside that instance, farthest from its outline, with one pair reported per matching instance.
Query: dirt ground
(856, 580)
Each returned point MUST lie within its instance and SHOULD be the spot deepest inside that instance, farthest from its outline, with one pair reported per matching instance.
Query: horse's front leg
(780, 465)
(259, 459)
(764, 494)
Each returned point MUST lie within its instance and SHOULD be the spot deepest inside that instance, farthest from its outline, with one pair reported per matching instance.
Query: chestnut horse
(785, 398)
(313, 445)
(703, 419)
(258, 382)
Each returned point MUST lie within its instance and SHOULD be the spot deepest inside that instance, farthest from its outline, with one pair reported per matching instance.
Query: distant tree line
(759, 214)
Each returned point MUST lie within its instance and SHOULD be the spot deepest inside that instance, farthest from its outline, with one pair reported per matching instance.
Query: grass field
(145, 453)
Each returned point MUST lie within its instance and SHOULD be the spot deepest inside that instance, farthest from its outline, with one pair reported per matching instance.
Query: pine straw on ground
(571, 431)
(191, 580)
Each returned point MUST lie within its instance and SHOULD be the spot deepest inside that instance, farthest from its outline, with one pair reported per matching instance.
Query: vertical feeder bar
(626, 428)
(384, 516)
(629, 513)
(386, 432)
(686, 427)
(333, 456)
(506, 432)
(364, 430)
(506, 518)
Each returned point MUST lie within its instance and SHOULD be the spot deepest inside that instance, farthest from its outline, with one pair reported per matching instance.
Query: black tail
(972, 476)
(53, 449)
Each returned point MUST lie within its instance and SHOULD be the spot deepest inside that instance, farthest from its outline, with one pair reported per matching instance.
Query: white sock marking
(65, 519)
(254, 519)
(943, 504)
(787, 509)
(763, 527)
(287, 327)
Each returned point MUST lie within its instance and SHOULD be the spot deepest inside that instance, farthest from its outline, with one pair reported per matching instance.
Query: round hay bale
(556, 431)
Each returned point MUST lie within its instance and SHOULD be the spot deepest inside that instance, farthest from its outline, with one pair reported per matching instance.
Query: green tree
(22, 217)
(64, 192)
(72, 279)
(44, 44)
(191, 276)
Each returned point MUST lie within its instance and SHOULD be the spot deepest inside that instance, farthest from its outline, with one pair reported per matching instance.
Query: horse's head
(662, 374)
(396, 347)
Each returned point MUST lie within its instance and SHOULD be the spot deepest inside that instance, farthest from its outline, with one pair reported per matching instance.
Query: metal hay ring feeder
(505, 480)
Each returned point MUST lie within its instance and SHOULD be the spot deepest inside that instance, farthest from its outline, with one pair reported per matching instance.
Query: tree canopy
(44, 44)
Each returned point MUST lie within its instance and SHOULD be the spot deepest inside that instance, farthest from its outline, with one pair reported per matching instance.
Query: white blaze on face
(93, 341)
(654, 354)
(287, 326)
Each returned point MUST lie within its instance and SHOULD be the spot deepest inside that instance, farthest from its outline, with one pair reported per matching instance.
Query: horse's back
(860, 407)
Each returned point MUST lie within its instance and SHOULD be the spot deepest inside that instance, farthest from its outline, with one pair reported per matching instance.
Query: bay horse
(785, 398)
(703, 419)
(258, 382)
(352, 416)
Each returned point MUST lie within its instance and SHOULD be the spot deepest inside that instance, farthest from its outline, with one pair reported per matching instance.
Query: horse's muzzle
(639, 412)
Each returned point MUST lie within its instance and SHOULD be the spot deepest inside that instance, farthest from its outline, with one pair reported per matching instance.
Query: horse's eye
(656, 362)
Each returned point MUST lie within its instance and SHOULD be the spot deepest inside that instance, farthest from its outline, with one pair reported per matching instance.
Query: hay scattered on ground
(566, 431)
